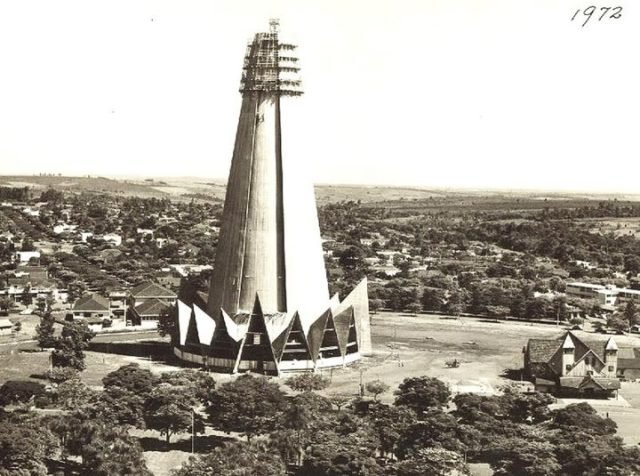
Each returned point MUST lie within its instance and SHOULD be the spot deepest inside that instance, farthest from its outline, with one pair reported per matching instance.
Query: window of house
(611, 368)
(568, 367)
(256, 339)
(589, 372)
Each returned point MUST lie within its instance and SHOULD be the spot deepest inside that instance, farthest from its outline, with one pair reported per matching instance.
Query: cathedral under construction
(268, 308)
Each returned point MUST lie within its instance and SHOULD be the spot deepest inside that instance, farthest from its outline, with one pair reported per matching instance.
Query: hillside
(390, 196)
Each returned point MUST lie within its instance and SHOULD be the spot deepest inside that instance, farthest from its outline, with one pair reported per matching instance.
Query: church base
(267, 368)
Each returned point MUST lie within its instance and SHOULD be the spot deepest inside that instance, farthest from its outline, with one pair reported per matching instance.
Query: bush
(20, 391)
(42, 401)
(307, 382)
(62, 374)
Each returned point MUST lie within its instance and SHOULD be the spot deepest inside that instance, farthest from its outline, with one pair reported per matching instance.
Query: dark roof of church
(541, 350)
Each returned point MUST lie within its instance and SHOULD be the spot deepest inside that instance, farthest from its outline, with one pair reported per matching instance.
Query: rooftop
(150, 289)
(91, 302)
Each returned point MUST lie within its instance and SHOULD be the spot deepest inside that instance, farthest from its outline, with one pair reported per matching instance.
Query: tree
(249, 405)
(41, 304)
(131, 377)
(45, 332)
(432, 299)
(238, 458)
(456, 303)
(119, 406)
(389, 423)
(422, 394)
(340, 399)
(20, 391)
(376, 387)
(105, 449)
(630, 313)
(340, 456)
(62, 374)
(73, 394)
(168, 410)
(24, 447)
(27, 244)
(431, 461)
(27, 298)
(436, 428)
(414, 308)
(307, 382)
(5, 302)
(375, 305)
(617, 322)
(583, 417)
(524, 457)
(69, 348)
(305, 415)
(198, 383)
(168, 323)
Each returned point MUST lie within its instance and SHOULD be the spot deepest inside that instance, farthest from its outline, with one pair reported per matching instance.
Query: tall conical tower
(269, 244)
(268, 308)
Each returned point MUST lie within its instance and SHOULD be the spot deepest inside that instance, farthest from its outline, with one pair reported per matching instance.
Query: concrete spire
(270, 239)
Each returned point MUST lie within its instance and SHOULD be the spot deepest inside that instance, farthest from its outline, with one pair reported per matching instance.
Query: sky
(431, 93)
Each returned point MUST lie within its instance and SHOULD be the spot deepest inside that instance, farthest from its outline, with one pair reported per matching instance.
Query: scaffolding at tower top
(266, 69)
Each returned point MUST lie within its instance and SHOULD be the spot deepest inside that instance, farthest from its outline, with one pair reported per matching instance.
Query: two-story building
(570, 366)
(147, 301)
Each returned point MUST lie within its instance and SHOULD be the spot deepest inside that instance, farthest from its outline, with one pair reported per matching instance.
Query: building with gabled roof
(148, 310)
(91, 306)
(147, 300)
(151, 290)
(572, 366)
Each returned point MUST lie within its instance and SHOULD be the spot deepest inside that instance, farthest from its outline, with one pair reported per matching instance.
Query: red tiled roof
(151, 307)
(150, 290)
(91, 302)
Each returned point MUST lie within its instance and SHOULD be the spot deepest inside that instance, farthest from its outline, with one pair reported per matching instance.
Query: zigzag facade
(271, 343)
(268, 308)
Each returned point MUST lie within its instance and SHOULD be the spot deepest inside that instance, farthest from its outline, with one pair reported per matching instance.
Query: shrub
(62, 374)
(19, 391)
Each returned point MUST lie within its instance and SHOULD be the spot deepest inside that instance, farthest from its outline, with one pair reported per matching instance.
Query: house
(151, 292)
(26, 256)
(85, 235)
(112, 239)
(144, 232)
(191, 249)
(169, 280)
(91, 306)
(6, 327)
(64, 228)
(108, 255)
(32, 212)
(571, 366)
(118, 304)
(629, 363)
(149, 310)
(35, 273)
